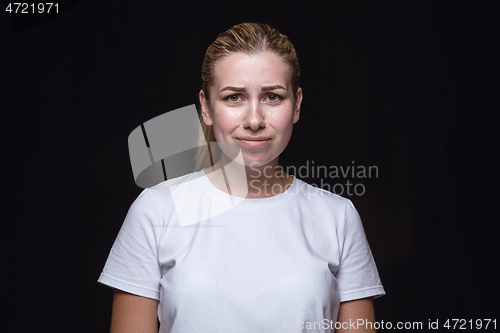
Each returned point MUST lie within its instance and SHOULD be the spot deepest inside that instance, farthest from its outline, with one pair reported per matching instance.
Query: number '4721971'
(32, 8)
(462, 324)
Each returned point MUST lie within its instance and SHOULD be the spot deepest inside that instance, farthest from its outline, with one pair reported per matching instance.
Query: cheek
(225, 123)
(283, 123)
(280, 117)
(287, 134)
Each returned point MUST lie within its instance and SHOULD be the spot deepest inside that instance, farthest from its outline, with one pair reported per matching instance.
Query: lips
(254, 138)
(253, 141)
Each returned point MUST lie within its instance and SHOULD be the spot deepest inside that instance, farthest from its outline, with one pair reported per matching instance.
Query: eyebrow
(265, 88)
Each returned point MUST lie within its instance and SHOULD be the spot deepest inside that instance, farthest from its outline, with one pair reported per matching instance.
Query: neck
(251, 182)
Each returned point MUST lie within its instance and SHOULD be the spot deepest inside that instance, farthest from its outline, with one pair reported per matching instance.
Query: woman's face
(251, 105)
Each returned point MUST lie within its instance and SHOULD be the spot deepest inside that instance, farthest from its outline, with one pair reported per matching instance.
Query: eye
(274, 97)
(233, 98)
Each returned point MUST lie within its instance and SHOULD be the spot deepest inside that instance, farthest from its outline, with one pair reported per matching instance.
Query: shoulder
(189, 181)
(314, 195)
(152, 205)
(168, 198)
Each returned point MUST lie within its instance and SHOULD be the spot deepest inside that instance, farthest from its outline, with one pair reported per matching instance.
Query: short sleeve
(132, 264)
(357, 274)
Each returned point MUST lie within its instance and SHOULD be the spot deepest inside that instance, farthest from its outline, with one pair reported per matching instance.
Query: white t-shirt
(220, 263)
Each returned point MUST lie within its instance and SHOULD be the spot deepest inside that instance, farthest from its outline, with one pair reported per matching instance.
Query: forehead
(243, 70)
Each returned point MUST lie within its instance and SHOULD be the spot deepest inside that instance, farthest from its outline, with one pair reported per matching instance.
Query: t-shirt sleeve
(132, 264)
(357, 274)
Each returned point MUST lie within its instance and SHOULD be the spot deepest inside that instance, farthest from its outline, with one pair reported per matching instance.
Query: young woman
(262, 251)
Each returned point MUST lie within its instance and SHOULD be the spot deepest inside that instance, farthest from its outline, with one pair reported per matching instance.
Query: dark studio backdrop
(410, 87)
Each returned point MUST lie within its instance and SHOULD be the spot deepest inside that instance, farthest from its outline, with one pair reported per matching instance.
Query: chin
(255, 162)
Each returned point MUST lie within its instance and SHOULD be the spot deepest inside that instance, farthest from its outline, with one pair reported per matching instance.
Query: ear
(204, 109)
(298, 102)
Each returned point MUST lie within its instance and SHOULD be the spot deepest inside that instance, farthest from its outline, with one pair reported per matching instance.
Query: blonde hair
(249, 38)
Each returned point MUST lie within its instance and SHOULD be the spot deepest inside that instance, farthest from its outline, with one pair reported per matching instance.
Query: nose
(254, 117)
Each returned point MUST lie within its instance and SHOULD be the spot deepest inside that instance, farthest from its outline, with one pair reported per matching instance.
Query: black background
(408, 86)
